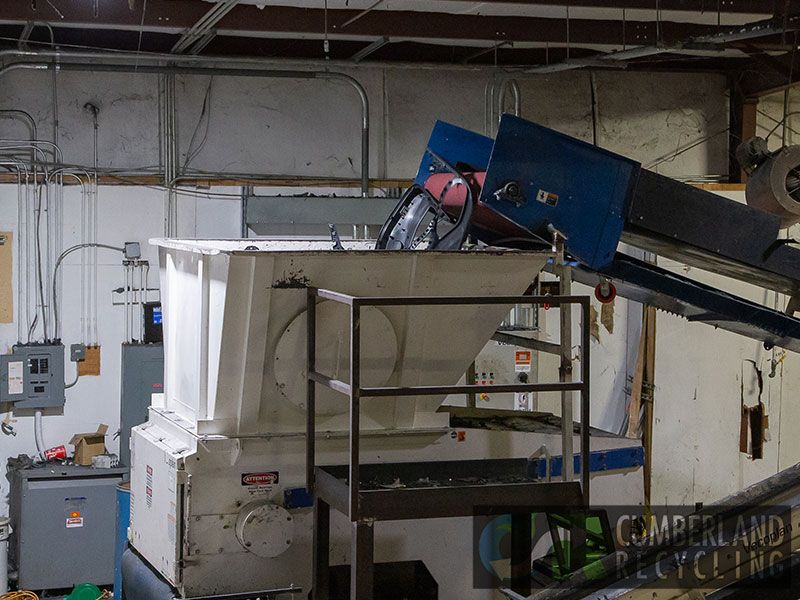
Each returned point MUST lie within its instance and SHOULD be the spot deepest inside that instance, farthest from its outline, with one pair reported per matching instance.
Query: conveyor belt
(642, 282)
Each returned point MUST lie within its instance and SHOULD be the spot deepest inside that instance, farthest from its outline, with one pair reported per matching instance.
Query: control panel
(32, 376)
(503, 364)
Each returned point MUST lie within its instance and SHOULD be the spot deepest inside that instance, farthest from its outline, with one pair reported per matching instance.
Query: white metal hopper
(235, 329)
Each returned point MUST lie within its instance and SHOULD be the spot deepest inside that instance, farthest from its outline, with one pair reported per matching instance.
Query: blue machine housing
(595, 199)
(579, 189)
(456, 145)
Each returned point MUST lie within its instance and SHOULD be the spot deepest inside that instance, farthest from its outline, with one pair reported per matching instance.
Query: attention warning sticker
(260, 482)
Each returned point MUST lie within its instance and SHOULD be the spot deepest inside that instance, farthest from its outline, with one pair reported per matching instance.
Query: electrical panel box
(32, 376)
(142, 376)
(63, 523)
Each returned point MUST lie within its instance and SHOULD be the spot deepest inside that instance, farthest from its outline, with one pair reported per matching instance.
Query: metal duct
(774, 186)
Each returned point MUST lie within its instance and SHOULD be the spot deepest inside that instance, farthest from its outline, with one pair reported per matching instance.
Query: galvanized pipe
(490, 92)
(237, 72)
(22, 116)
(488, 107)
(149, 57)
(509, 83)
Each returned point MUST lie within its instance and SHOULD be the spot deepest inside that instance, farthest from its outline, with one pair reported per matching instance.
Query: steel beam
(167, 15)
(734, 6)
(367, 50)
(202, 32)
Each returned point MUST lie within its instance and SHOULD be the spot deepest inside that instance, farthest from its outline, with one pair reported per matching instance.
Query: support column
(565, 370)
(321, 544)
(362, 565)
(521, 549)
(743, 114)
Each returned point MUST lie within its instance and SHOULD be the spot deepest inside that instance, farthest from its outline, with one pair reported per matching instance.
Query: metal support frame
(341, 486)
(355, 392)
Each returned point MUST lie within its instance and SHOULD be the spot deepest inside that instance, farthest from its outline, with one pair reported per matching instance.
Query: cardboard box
(88, 445)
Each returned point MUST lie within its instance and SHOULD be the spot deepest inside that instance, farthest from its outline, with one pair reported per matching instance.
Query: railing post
(355, 406)
(311, 366)
(565, 369)
(585, 397)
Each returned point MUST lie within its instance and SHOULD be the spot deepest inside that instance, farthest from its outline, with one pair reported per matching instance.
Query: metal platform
(399, 491)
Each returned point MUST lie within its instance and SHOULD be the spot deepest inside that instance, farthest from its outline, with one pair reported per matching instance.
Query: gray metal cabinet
(64, 525)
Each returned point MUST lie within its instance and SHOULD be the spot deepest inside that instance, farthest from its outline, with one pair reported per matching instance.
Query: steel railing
(354, 391)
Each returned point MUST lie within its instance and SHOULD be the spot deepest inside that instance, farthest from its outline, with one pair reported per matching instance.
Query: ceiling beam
(183, 14)
(765, 74)
(343, 50)
(758, 7)
(202, 32)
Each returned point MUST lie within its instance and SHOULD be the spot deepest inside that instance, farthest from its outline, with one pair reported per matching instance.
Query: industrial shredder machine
(219, 499)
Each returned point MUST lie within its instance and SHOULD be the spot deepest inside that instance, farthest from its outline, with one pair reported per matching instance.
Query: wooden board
(6, 277)
(91, 364)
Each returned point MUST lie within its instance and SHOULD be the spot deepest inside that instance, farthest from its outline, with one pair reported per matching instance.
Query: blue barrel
(123, 521)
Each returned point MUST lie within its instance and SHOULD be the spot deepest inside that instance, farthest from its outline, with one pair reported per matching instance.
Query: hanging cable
(205, 115)
(326, 45)
(39, 275)
(141, 31)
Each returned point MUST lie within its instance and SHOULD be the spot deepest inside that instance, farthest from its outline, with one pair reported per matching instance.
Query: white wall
(298, 128)
(701, 376)
(125, 214)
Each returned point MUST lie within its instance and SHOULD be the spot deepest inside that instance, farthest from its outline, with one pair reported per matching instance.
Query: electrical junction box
(32, 376)
(63, 522)
(505, 364)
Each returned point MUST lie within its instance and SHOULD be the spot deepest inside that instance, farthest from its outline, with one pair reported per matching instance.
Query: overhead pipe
(150, 57)
(228, 72)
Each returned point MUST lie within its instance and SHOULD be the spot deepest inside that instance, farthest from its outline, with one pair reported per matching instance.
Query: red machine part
(605, 292)
(453, 196)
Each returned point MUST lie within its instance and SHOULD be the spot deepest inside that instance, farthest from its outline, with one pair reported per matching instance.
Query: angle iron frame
(354, 391)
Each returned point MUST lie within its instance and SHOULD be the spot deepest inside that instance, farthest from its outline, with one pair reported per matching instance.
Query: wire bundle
(21, 595)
